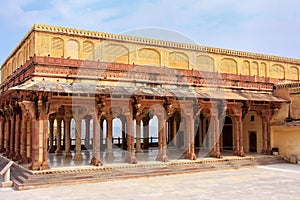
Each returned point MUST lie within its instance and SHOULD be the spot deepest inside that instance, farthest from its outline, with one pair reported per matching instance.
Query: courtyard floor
(280, 181)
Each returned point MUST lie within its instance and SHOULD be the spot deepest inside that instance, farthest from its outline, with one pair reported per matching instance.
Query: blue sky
(262, 26)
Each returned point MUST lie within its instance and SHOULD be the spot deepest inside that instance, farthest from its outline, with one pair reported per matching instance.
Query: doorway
(227, 136)
(252, 142)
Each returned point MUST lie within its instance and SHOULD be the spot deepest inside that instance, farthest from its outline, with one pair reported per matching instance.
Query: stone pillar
(130, 158)
(190, 152)
(12, 136)
(266, 135)
(17, 139)
(109, 140)
(241, 141)
(101, 135)
(96, 160)
(39, 132)
(51, 135)
(170, 126)
(236, 141)
(6, 135)
(162, 139)
(138, 136)
(215, 134)
(28, 139)
(146, 133)
(174, 132)
(124, 141)
(23, 138)
(58, 150)
(78, 155)
(87, 133)
(1, 133)
(67, 133)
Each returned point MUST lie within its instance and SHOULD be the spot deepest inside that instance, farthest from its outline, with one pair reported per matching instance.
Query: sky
(261, 26)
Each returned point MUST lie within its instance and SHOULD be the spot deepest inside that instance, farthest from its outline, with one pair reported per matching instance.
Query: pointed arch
(205, 63)
(116, 53)
(263, 69)
(228, 65)
(73, 49)
(178, 60)
(147, 56)
(254, 69)
(245, 68)
(277, 71)
(88, 50)
(293, 73)
(57, 47)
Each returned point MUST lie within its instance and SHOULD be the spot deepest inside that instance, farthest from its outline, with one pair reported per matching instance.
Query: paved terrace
(279, 181)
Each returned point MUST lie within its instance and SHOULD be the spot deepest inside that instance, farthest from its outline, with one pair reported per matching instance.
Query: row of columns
(24, 134)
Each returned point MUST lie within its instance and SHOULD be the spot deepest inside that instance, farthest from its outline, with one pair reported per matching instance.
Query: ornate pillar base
(12, 156)
(45, 165)
(215, 155)
(96, 162)
(39, 166)
(189, 155)
(17, 157)
(78, 157)
(68, 155)
(131, 159)
(162, 158)
(236, 153)
(51, 150)
(58, 153)
(7, 153)
(23, 160)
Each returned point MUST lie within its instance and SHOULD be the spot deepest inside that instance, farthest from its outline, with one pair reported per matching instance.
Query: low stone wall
(287, 140)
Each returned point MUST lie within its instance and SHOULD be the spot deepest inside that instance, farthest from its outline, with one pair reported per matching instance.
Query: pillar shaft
(124, 141)
(96, 160)
(6, 135)
(78, 155)
(190, 131)
(23, 139)
(130, 142)
(67, 135)
(109, 135)
(87, 133)
(17, 138)
(12, 136)
(162, 139)
(58, 138)
(138, 136)
(174, 132)
(266, 135)
(146, 134)
(236, 136)
(51, 135)
(1, 134)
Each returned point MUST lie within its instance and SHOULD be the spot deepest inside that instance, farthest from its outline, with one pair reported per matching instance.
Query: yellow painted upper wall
(62, 42)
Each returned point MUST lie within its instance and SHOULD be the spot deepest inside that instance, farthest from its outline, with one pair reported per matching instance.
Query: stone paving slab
(281, 181)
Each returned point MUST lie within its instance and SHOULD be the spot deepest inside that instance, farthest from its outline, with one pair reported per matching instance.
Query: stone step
(25, 180)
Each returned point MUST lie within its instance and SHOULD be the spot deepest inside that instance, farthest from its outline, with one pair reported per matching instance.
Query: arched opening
(83, 134)
(227, 136)
(153, 132)
(73, 133)
(252, 142)
(117, 132)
